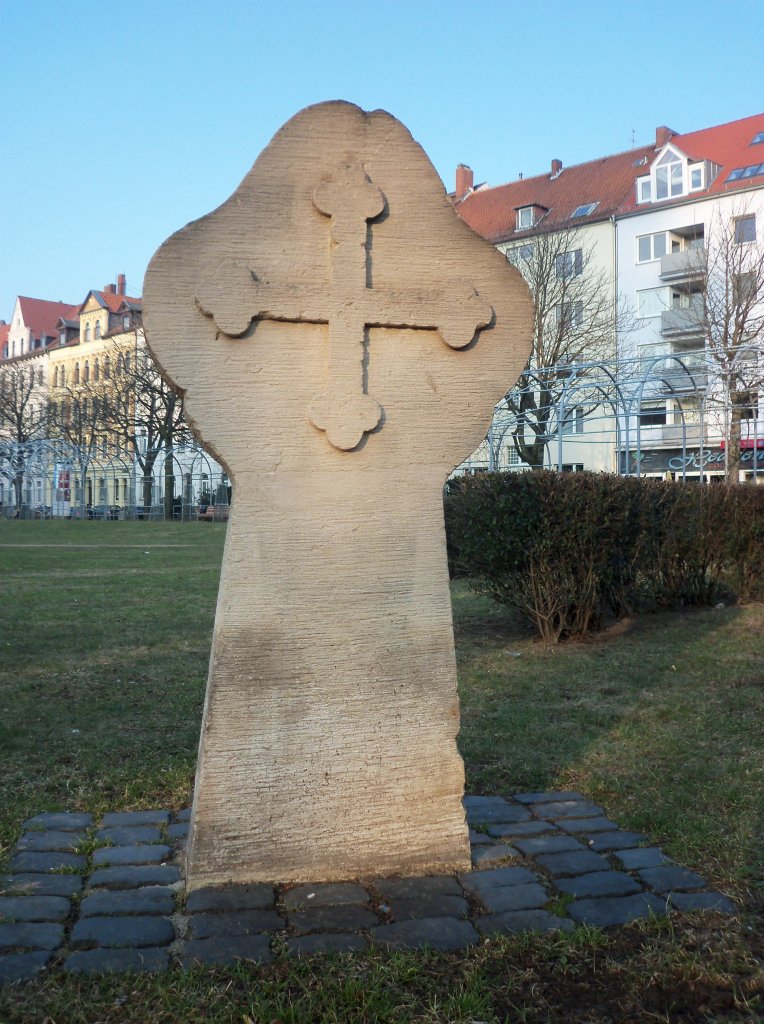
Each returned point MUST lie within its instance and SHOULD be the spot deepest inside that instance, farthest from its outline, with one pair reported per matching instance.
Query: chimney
(556, 168)
(464, 181)
(120, 284)
(109, 289)
(662, 135)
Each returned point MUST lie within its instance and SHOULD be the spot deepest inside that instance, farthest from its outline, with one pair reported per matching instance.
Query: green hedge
(567, 550)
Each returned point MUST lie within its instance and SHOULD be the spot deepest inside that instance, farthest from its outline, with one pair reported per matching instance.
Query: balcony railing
(683, 266)
(685, 322)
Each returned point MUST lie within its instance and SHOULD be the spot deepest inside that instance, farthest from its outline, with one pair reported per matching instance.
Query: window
(652, 414)
(644, 190)
(751, 171)
(126, 322)
(668, 176)
(744, 289)
(520, 254)
(513, 459)
(696, 177)
(572, 467)
(569, 264)
(87, 332)
(745, 229)
(651, 247)
(127, 362)
(62, 378)
(748, 402)
(39, 376)
(585, 210)
(55, 378)
(76, 373)
(573, 421)
(524, 218)
(107, 368)
(120, 364)
(87, 371)
(651, 302)
(97, 370)
(62, 338)
(98, 329)
(570, 314)
(758, 137)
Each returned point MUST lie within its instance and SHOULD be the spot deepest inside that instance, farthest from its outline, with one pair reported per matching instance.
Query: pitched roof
(492, 212)
(727, 145)
(110, 300)
(4, 331)
(611, 181)
(41, 316)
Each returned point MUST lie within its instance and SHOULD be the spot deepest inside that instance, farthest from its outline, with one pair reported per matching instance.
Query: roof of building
(610, 181)
(4, 331)
(41, 316)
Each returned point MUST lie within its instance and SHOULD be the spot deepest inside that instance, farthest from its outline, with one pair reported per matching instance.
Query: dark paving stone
(151, 899)
(25, 935)
(309, 945)
(231, 897)
(226, 950)
(244, 922)
(117, 961)
(576, 862)
(547, 844)
(116, 856)
(522, 921)
(667, 879)
(429, 906)
(135, 818)
(603, 913)
(479, 838)
(548, 797)
(64, 821)
(566, 809)
(489, 856)
(600, 824)
(472, 803)
(478, 882)
(391, 889)
(132, 878)
(34, 908)
(20, 966)
(178, 831)
(621, 840)
(332, 919)
(39, 863)
(122, 931)
(48, 842)
(125, 835)
(326, 894)
(497, 812)
(183, 815)
(442, 933)
(599, 883)
(690, 901)
(647, 857)
(520, 828)
(41, 885)
(514, 897)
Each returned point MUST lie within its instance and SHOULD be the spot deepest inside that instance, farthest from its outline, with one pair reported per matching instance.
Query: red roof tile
(41, 316)
(111, 301)
(492, 212)
(610, 181)
(729, 146)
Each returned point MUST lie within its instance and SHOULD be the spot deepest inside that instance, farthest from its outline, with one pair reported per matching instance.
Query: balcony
(684, 323)
(688, 265)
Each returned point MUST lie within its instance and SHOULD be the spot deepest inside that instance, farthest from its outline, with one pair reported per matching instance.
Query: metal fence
(50, 479)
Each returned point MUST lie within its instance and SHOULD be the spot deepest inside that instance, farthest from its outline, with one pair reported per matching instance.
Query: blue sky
(122, 122)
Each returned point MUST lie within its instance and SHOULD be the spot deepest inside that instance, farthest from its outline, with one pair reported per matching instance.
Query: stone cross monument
(341, 338)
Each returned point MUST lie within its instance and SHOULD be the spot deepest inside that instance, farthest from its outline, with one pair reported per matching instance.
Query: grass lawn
(105, 639)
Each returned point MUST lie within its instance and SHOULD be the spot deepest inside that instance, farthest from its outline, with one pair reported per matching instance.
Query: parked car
(104, 511)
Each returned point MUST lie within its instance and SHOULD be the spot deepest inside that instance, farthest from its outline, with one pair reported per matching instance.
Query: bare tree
(730, 314)
(23, 415)
(577, 316)
(147, 414)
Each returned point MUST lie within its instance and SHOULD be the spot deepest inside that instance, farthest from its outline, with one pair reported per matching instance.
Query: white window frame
(662, 163)
(521, 217)
(701, 169)
(652, 258)
(641, 297)
(644, 190)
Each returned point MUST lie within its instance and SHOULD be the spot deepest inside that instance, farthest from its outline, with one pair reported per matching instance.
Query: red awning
(746, 442)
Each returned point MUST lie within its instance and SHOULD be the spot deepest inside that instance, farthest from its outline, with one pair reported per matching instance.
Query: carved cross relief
(234, 295)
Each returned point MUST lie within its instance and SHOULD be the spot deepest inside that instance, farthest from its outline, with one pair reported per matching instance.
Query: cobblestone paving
(541, 861)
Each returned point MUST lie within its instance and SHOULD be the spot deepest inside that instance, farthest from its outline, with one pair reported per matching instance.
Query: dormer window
(697, 177)
(668, 176)
(644, 190)
(126, 322)
(525, 218)
(758, 137)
